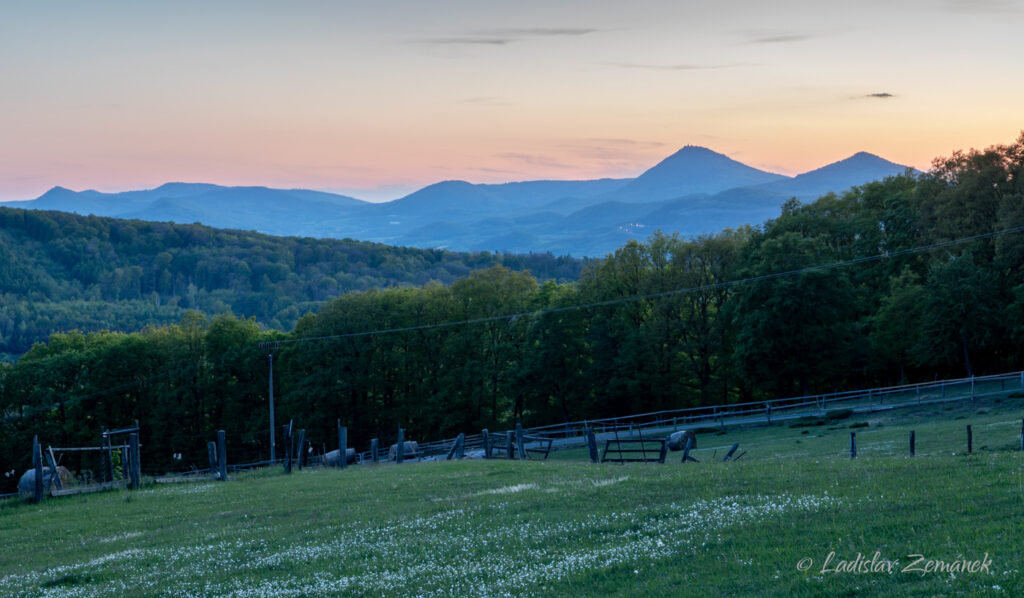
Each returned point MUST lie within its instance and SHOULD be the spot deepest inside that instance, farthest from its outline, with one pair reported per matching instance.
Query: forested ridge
(61, 272)
(908, 279)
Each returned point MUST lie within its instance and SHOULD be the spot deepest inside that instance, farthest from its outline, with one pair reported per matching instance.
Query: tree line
(61, 271)
(908, 279)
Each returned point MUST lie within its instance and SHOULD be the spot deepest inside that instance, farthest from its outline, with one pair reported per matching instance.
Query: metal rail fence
(867, 400)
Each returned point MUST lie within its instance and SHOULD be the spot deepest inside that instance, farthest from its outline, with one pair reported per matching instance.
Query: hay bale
(331, 457)
(677, 441)
(411, 449)
(27, 483)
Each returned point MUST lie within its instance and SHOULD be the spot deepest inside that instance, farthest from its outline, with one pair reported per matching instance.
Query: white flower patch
(610, 481)
(115, 538)
(478, 551)
(508, 489)
(184, 488)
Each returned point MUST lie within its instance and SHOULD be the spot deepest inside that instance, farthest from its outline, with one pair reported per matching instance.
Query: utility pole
(270, 362)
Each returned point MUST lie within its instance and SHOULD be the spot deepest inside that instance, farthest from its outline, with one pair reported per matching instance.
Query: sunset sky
(375, 99)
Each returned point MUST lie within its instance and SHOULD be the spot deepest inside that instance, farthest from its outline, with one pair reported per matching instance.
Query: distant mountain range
(691, 192)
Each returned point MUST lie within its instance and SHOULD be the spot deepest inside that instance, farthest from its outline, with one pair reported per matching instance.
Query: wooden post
(592, 445)
(133, 459)
(301, 449)
(731, 451)
(52, 463)
(853, 445)
(520, 449)
(460, 446)
(287, 440)
(451, 451)
(374, 449)
(686, 450)
(486, 438)
(400, 447)
(343, 445)
(37, 465)
(912, 443)
(222, 455)
(508, 445)
(211, 452)
(970, 440)
(110, 455)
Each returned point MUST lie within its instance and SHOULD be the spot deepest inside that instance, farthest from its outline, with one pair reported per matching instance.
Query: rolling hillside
(691, 192)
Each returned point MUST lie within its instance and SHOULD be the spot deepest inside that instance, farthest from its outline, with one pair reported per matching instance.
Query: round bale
(27, 483)
(411, 448)
(677, 441)
(331, 457)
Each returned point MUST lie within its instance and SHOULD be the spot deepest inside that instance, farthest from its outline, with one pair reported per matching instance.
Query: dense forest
(906, 279)
(62, 272)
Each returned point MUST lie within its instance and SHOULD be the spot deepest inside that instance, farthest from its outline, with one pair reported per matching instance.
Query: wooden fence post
(520, 449)
(342, 445)
(486, 438)
(400, 447)
(460, 446)
(970, 440)
(133, 458)
(374, 449)
(301, 448)
(52, 463)
(110, 455)
(211, 452)
(287, 439)
(911, 443)
(853, 445)
(592, 445)
(222, 455)
(686, 450)
(508, 445)
(37, 465)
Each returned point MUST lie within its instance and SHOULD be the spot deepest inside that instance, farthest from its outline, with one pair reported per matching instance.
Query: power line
(540, 313)
(660, 294)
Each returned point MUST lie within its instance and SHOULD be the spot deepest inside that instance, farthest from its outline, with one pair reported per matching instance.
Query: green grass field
(761, 526)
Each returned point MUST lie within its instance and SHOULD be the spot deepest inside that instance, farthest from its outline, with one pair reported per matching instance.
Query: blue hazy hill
(693, 191)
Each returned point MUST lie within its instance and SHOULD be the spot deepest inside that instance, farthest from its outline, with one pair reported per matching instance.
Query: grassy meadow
(761, 526)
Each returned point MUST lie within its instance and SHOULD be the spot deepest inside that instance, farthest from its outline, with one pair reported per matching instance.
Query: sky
(376, 99)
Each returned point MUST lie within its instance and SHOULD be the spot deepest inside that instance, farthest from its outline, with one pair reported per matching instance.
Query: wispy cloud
(881, 95)
(470, 41)
(500, 37)
(541, 31)
(673, 67)
(767, 36)
(535, 160)
(624, 141)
